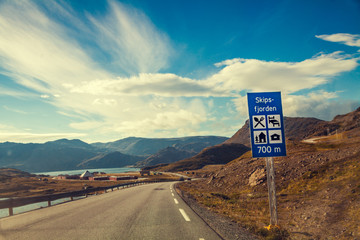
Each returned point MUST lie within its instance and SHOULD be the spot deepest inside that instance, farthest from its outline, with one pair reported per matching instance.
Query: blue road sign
(266, 124)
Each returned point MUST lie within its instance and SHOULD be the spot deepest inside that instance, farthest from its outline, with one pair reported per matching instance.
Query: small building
(143, 172)
(101, 178)
(64, 177)
(86, 175)
(118, 178)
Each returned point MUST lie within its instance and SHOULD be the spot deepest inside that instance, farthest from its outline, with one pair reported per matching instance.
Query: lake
(106, 170)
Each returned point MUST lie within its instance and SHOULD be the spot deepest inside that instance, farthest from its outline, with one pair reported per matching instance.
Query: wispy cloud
(38, 52)
(131, 40)
(344, 38)
(14, 110)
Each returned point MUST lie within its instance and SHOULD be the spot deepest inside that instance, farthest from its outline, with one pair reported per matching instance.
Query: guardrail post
(49, 203)
(71, 198)
(11, 211)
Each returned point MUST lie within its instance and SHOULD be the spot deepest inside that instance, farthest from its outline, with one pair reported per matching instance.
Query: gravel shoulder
(223, 226)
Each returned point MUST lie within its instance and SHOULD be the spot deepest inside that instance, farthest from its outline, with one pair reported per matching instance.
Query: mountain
(166, 155)
(110, 160)
(219, 154)
(62, 154)
(148, 146)
(180, 151)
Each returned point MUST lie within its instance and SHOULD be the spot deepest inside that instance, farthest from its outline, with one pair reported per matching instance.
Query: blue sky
(105, 70)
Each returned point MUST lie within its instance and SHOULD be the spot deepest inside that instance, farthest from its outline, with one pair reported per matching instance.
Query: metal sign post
(267, 137)
(270, 172)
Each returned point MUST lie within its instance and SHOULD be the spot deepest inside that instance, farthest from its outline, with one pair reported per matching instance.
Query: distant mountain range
(171, 153)
(147, 146)
(67, 154)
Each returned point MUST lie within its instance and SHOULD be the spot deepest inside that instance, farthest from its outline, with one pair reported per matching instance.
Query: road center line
(176, 201)
(183, 213)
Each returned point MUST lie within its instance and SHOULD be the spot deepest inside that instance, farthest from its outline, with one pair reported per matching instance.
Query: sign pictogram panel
(266, 124)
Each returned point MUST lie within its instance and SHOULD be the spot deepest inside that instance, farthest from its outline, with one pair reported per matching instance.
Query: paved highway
(152, 211)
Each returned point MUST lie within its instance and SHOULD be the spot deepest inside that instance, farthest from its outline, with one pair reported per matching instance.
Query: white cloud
(14, 110)
(288, 77)
(177, 122)
(24, 137)
(161, 84)
(85, 125)
(344, 38)
(319, 104)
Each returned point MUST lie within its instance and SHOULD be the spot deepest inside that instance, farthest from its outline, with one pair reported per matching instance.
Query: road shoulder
(224, 227)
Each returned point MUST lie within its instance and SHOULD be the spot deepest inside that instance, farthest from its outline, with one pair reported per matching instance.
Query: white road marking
(201, 238)
(183, 213)
(176, 201)
(173, 195)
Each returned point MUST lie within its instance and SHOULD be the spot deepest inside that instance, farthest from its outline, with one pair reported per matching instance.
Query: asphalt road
(152, 211)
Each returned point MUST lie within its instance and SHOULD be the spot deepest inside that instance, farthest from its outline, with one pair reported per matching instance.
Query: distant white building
(86, 175)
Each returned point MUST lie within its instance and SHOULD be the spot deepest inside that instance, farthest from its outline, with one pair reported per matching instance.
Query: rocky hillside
(110, 160)
(9, 173)
(220, 154)
(166, 155)
(295, 128)
(298, 128)
(318, 185)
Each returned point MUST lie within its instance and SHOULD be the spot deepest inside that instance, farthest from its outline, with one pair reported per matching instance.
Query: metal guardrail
(11, 203)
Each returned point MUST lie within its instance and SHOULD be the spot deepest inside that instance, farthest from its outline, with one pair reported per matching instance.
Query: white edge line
(183, 213)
